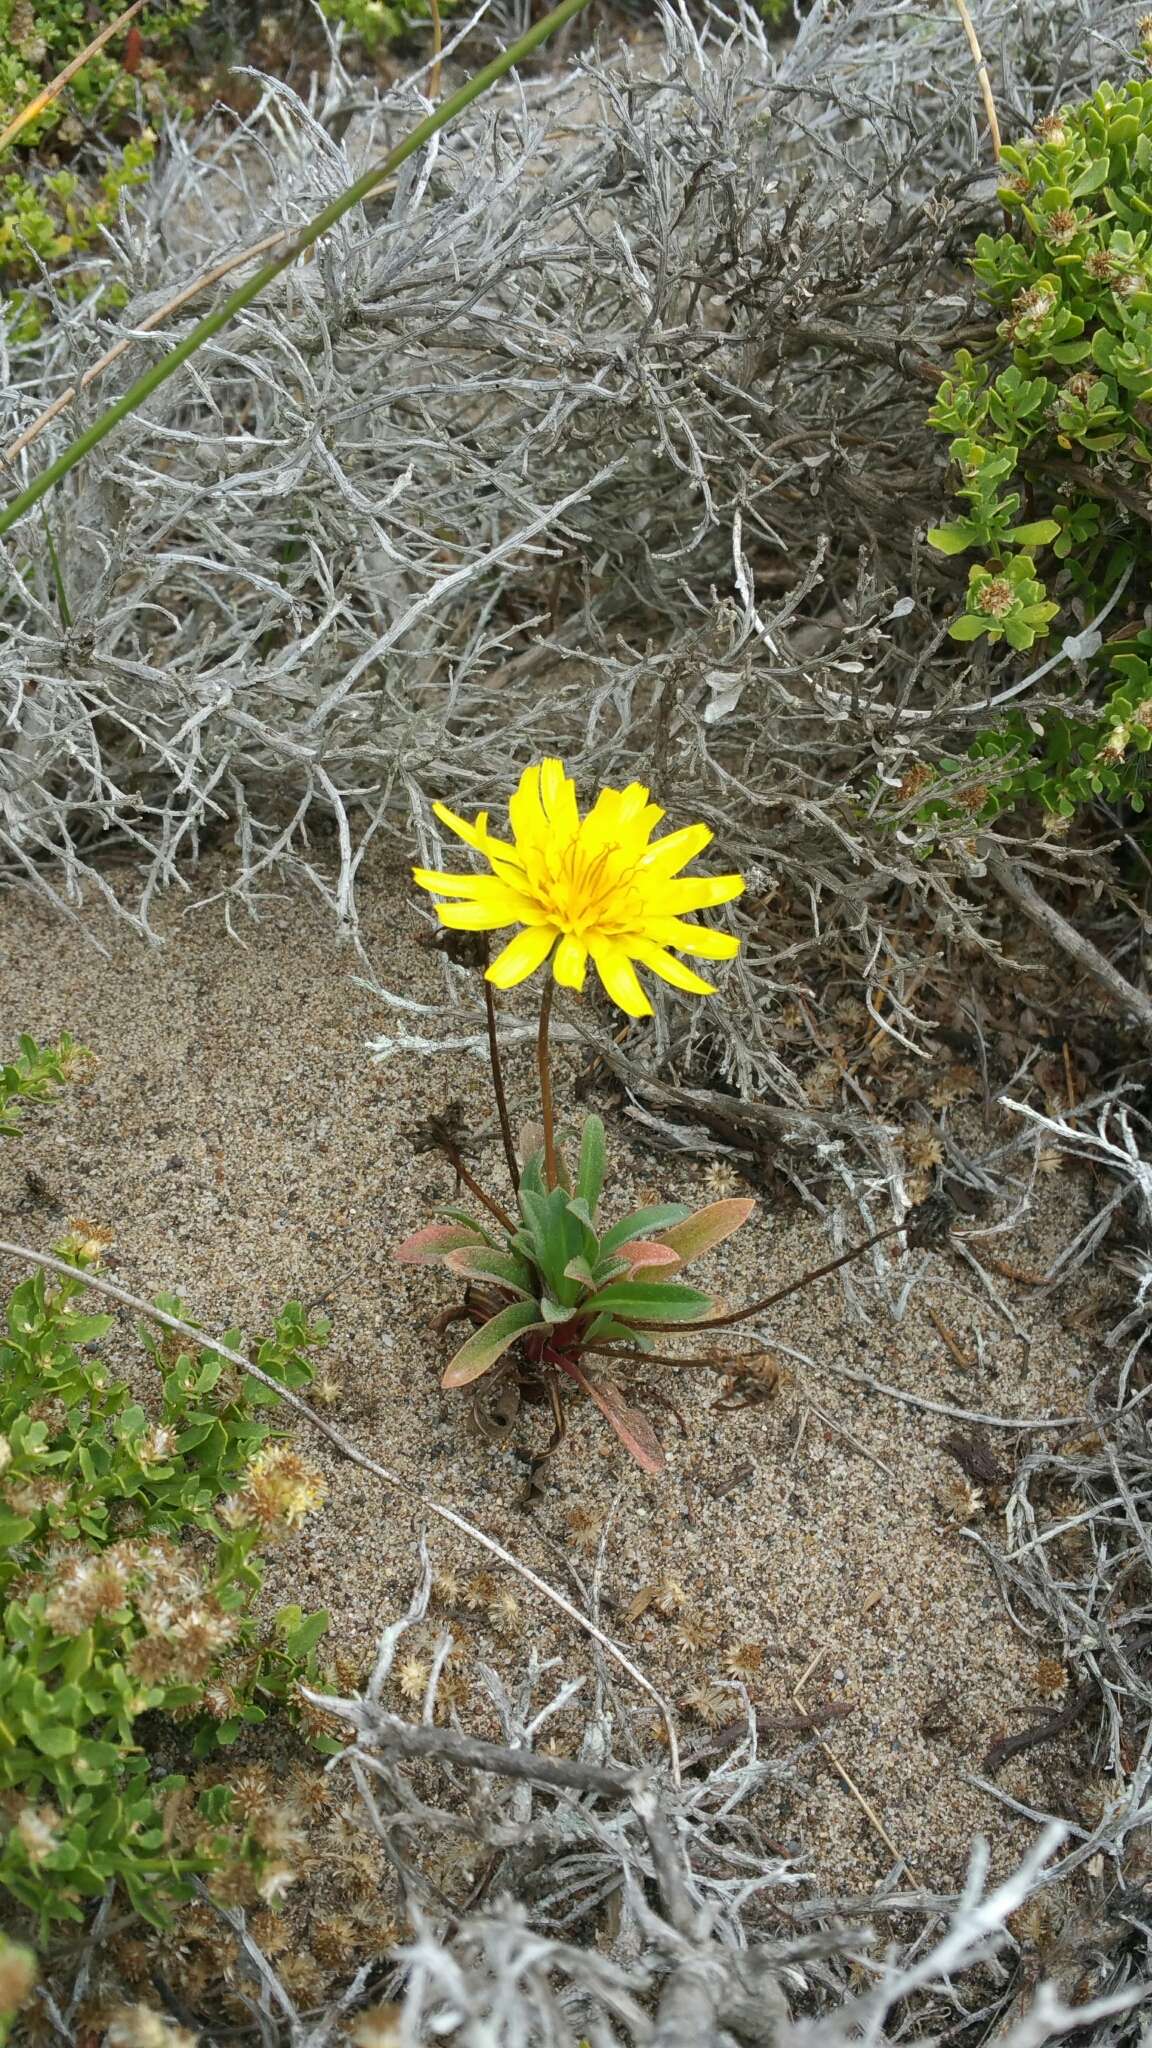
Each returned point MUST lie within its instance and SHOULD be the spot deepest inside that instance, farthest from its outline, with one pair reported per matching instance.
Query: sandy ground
(243, 1148)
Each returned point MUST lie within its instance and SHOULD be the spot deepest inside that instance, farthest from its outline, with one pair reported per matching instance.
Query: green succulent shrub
(130, 1555)
(1051, 443)
(379, 22)
(47, 216)
(36, 1075)
(131, 1541)
(552, 1286)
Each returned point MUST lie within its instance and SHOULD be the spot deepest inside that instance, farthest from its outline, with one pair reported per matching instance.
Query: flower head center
(586, 889)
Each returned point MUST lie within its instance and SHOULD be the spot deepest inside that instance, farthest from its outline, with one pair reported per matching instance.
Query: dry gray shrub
(601, 432)
(615, 1906)
(1076, 1567)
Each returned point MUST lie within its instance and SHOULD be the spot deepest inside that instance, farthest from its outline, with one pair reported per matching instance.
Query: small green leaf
(78, 1657)
(482, 1349)
(1091, 179)
(302, 1640)
(1036, 533)
(84, 1329)
(55, 1740)
(643, 1223)
(590, 1172)
(953, 538)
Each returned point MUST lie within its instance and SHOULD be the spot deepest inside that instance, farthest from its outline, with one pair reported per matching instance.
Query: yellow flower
(598, 887)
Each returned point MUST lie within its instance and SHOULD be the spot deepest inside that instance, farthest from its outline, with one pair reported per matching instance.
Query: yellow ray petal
(558, 800)
(491, 890)
(571, 962)
(522, 955)
(621, 816)
(475, 834)
(669, 968)
(700, 940)
(619, 978)
(633, 800)
(442, 882)
(671, 852)
(526, 813)
(474, 917)
(695, 892)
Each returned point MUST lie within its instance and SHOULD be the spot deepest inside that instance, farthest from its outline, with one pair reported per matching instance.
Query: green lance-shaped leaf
(643, 1223)
(650, 1301)
(556, 1236)
(590, 1172)
(491, 1341)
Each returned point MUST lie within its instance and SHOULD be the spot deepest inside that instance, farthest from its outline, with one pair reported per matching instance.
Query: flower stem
(474, 1188)
(545, 1072)
(498, 1087)
(726, 1363)
(755, 1308)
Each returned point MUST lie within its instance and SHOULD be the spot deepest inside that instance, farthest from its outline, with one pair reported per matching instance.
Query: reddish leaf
(648, 1251)
(481, 1350)
(473, 1263)
(631, 1426)
(431, 1242)
(706, 1227)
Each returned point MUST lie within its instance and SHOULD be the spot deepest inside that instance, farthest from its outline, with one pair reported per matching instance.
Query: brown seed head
(281, 1487)
(995, 598)
(379, 2027)
(138, 2026)
(709, 1704)
(412, 1678)
(17, 1976)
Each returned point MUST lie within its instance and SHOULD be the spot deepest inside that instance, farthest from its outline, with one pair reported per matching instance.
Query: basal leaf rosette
(563, 1287)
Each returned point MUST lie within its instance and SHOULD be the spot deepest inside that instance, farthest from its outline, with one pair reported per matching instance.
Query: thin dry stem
(983, 79)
